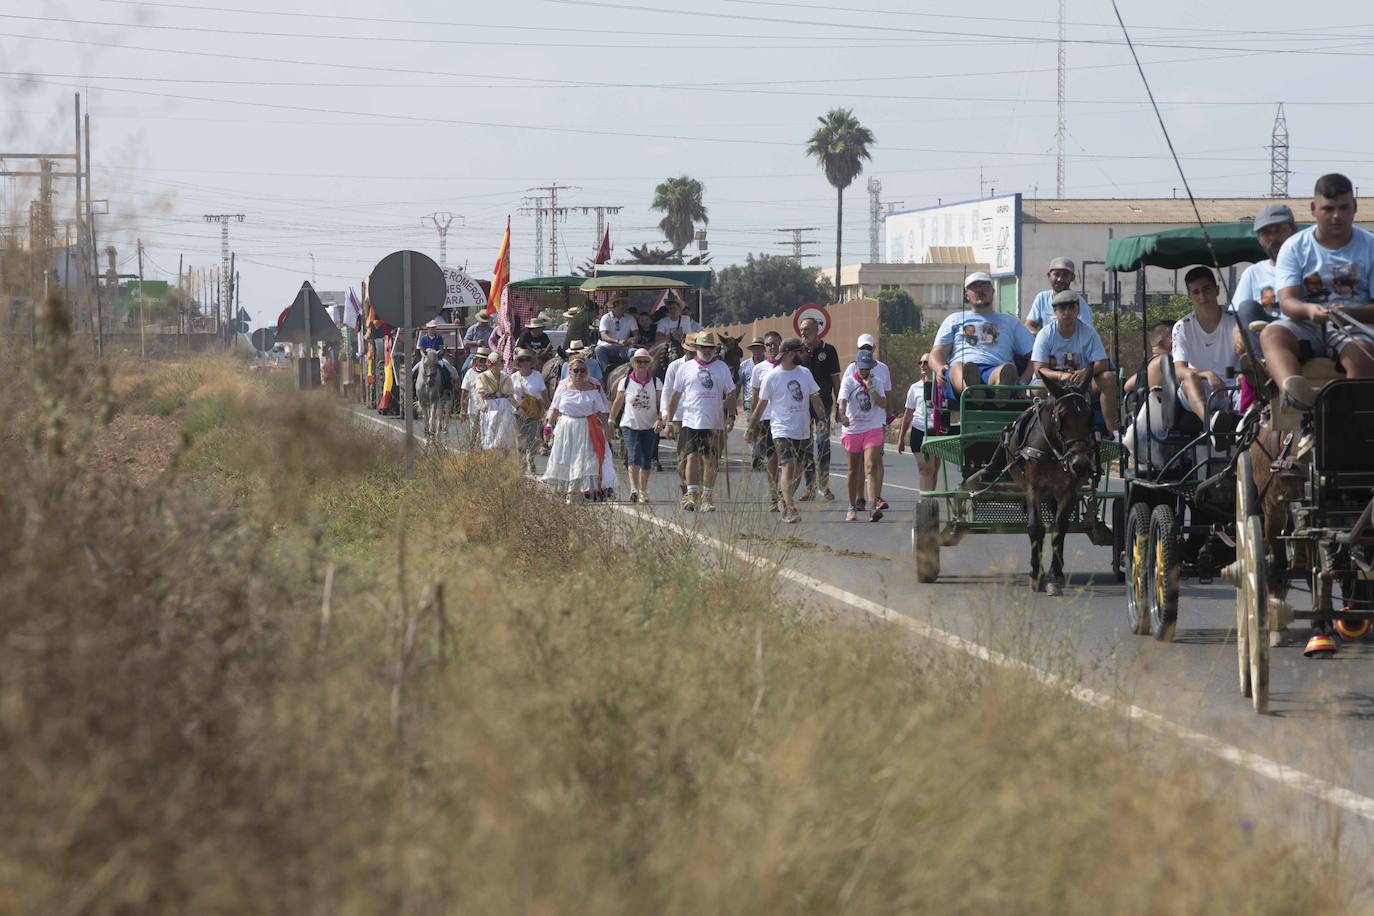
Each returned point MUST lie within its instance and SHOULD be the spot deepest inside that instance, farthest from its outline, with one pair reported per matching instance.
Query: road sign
(295, 326)
(386, 287)
(264, 338)
(463, 291)
(819, 312)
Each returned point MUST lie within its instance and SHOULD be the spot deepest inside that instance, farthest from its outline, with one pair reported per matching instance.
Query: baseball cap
(1064, 264)
(864, 360)
(978, 276)
(866, 340)
(1273, 215)
(1065, 297)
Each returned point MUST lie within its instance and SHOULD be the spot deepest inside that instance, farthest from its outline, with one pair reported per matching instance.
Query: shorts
(1324, 339)
(763, 439)
(858, 443)
(792, 451)
(984, 371)
(917, 437)
(639, 446)
(704, 442)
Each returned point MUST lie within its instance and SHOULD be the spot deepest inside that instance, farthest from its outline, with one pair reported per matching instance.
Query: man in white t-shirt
(1255, 297)
(763, 436)
(863, 404)
(616, 328)
(787, 399)
(1324, 269)
(1061, 275)
(978, 345)
(677, 323)
(468, 407)
(706, 393)
(1204, 347)
(1069, 351)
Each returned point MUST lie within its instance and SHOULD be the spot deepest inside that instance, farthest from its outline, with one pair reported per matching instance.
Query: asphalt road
(1322, 721)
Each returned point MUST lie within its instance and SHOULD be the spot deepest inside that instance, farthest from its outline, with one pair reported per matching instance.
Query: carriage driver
(979, 345)
(1071, 352)
(1061, 276)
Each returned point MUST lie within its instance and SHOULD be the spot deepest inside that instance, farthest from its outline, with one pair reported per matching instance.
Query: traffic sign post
(819, 313)
(307, 323)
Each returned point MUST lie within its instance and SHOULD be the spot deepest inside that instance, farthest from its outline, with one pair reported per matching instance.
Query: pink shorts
(856, 443)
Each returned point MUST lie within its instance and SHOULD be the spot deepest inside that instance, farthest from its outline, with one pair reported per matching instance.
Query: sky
(337, 128)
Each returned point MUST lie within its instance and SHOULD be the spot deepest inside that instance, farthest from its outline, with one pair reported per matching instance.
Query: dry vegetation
(575, 729)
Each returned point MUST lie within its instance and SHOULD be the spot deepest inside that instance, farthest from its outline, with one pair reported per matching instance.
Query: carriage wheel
(1165, 570)
(925, 539)
(1247, 502)
(1137, 551)
(1120, 539)
(1257, 613)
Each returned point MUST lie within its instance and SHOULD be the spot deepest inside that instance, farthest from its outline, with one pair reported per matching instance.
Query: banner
(463, 291)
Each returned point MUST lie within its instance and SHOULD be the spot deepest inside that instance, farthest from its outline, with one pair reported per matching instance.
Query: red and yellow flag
(500, 274)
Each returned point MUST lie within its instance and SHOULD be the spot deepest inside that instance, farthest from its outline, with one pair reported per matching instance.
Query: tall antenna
(875, 218)
(1278, 156)
(1062, 128)
(225, 272)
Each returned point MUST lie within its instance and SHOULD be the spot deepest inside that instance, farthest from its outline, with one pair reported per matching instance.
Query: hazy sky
(335, 127)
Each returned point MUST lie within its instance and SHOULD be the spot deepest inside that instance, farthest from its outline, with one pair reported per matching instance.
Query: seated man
(1255, 297)
(1204, 347)
(576, 348)
(1070, 351)
(535, 340)
(1161, 344)
(616, 328)
(979, 345)
(1326, 268)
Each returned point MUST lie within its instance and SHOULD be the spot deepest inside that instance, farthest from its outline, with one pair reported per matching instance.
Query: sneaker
(634, 496)
(706, 505)
(644, 499)
(829, 497)
(1298, 393)
(791, 516)
(806, 497)
(689, 502)
(851, 515)
(881, 504)
(875, 515)
(861, 504)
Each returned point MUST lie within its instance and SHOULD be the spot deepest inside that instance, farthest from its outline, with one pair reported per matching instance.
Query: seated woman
(1161, 344)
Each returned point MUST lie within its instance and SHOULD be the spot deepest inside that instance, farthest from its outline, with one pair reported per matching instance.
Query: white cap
(978, 276)
(866, 340)
(641, 353)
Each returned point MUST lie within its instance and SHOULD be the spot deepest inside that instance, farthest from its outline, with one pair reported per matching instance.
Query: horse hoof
(1054, 589)
(1034, 585)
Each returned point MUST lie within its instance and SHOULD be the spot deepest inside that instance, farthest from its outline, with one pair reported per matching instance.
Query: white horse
(434, 393)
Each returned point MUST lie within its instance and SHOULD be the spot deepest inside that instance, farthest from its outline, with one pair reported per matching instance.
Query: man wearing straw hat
(579, 320)
(477, 335)
(468, 407)
(706, 392)
(535, 340)
(614, 332)
(672, 421)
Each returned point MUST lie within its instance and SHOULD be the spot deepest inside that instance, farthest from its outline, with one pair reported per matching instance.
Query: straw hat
(576, 347)
(482, 353)
(536, 322)
(523, 353)
(432, 323)
(708, 340)
(690, 341)
(572, 312)
(482, 318)
(756, 342)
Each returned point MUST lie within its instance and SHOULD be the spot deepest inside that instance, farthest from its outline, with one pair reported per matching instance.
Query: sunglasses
(579, 372)
(771, 346)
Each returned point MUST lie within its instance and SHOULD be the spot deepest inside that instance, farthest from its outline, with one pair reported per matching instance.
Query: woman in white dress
(581, 458)
(496, 398)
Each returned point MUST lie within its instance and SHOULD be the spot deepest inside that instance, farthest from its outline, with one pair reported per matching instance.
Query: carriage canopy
(1232, 243)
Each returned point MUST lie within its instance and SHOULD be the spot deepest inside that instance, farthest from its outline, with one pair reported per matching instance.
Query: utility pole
(1062, 128)
(798, 242)
(982, 183)
(313, 281)
(181, 309)
(225, 274)
(875, 218)
(554, 212)
(441, 222)
(231, 317)
(601, 212)
(1278, 156)
(142, 318)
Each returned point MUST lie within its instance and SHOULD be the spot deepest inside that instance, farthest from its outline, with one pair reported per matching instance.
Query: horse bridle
(1063, 449)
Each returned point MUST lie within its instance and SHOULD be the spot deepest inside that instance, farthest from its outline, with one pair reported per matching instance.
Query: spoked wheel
(1256, 612)
(1165, 570)
(925, 539)
(1138, 569)
(1246, 506)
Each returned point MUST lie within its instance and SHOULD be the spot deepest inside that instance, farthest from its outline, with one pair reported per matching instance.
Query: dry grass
(582, 729)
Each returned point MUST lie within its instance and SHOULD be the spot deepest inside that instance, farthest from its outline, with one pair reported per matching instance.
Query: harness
(1016, 437)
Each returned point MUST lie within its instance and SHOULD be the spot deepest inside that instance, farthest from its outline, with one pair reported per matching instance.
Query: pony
(434, 393)
(1049, 451)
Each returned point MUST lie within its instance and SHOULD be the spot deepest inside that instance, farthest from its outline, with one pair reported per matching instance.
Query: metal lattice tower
(441, 222)
(798, 243)
(1278, 156)
(875, 218)
(225, 273)
(540, 209)
(1061, 129)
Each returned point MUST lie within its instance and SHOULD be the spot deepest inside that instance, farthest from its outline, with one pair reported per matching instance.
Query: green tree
(679, 200)
(839, 146)
(898, 312)
(763, 285)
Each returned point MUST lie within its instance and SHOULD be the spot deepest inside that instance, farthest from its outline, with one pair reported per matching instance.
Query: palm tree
(840, 145)
(679, 199)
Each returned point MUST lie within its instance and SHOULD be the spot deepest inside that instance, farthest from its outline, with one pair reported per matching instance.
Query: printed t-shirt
(618, 328)
(704, 387)
(861, 410)
(1258, 284)
(1079, 350)
(880, 372)
(788, 393)
(756, 380)
(1214, 352)
(641, 402)
(916, 403)
(1042, 309)
(1328, 276)
(986, 338)
(669, 380)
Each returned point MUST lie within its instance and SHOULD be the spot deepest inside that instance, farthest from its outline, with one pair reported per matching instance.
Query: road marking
(1265, 767)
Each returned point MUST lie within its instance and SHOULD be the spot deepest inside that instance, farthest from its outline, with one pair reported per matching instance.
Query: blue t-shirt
(593, 370)
(431, 342)
(1042, 309)
(1257, 284)
(1328, 276)
(1078, 351)
(988, 339)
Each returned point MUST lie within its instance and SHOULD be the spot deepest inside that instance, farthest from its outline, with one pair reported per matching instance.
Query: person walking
(785, 403)
(531, 400)
(746, 370)
(706, 392)
(581, 457)
(913, 424)
(824, 363)
(672, 421)
(884, 376)
(636, 405)
(496, 402)
(863, 404)
(762, 428)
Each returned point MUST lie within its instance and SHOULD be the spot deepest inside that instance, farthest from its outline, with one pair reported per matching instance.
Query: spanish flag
(500, 274)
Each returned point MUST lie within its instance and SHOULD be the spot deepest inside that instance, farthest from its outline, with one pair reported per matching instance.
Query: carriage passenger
(646, 332)
(677, 324)
(1071, 352)
(1204, 349)
(1161, 336)
(581, 457)
(1256, 297)
(1061, 276)
(979, 345)
(430, 338)
(614, 332)
(535, 340)
(636, 405)
(477, 336)
(531, 400)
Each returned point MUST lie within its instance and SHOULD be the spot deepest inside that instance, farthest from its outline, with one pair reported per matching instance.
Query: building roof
(1151, 211)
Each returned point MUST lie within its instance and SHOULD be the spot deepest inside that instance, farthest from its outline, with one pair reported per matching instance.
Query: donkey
(434, 393)
(1050, 451)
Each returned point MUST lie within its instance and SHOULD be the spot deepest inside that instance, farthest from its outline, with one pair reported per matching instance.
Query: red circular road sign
(814, 311)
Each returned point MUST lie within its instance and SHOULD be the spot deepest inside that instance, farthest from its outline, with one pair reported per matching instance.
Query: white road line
(1359, 805)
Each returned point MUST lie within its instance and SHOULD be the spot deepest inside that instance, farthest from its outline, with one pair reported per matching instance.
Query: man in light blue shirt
(979, 345)
(1070, 351)
(1324, 269)
(1061, 274)
(1256, 297)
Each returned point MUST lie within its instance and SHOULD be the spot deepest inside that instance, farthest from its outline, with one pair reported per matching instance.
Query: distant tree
(898, 312)
(644, 254)
(763, 285)
(679, 200)
(839, 146)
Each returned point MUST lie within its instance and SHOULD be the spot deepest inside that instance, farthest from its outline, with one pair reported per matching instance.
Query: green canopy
(1232, 243)
(561, 282)
(697, 276)
(629, 282)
